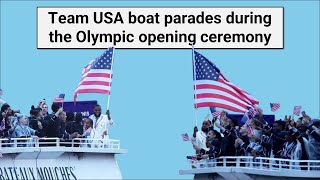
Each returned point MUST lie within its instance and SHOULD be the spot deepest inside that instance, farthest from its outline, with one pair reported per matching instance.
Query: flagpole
(108, 99)
(195, 87)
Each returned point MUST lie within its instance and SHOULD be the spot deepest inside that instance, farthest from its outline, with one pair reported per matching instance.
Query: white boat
(249, 168)
(53, 159)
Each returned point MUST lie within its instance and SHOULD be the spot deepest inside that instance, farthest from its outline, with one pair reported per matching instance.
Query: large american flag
(213, 89)
(296, 110)
(96, 76)
(274, 106)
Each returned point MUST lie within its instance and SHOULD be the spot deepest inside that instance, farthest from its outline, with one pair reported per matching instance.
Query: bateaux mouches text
(39, 173)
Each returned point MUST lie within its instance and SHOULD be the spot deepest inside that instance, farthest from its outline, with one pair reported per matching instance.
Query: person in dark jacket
(75, 125)
(276, 135)
(213, 149)
(55, 126)
(36, 121)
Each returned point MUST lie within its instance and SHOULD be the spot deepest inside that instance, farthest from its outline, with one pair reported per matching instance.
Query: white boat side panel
(81, 166)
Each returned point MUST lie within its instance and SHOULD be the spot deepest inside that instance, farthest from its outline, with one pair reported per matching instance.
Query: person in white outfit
(101, 124)
(199, 138)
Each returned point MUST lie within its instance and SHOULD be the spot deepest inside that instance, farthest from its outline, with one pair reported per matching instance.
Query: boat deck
(261, 166)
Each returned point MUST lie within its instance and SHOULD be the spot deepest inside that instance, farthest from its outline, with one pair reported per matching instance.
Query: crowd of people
(58, 124)
(288, 138)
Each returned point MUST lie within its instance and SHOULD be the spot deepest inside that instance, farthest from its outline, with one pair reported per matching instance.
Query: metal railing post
(238, 162)
(15, 143)
(58, 142)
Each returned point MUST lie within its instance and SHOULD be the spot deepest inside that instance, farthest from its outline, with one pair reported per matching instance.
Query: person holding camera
(36, 121)
(44, 107)
(7, 120)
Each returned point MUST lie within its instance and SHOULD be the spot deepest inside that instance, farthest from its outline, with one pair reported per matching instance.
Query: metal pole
(108, 99)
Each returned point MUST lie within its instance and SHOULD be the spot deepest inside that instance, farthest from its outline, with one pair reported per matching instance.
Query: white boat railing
(258, 163)
(6, 143)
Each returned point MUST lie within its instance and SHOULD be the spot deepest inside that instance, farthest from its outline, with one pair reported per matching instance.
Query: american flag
(185, 137)
(252, 111)
(2, 124)
(245, 118)
(214, 112)
(59, 98)
(274, 106)
(213, 89)
(1, 92)
(296, 110)
(96, 76)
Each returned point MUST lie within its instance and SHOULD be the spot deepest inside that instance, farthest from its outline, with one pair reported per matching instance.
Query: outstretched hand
(108, 113)
(195, 130)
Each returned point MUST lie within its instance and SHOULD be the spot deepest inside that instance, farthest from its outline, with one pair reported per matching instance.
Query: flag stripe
(218, 96)
(95, 83)
(92, 91)
(97, 79)
(90, 74)
(247, 95)
(219, 85)
(220, 91)
(239, 91)
(219, 103)
(201, 84)
(213, 91)
(94, 87)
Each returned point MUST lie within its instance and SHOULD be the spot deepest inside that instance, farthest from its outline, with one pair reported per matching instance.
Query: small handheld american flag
(252, 111)
(59, 98)
(2, 124)
(185, 137)
(296, 110)
(214, 112)
(274, 106)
